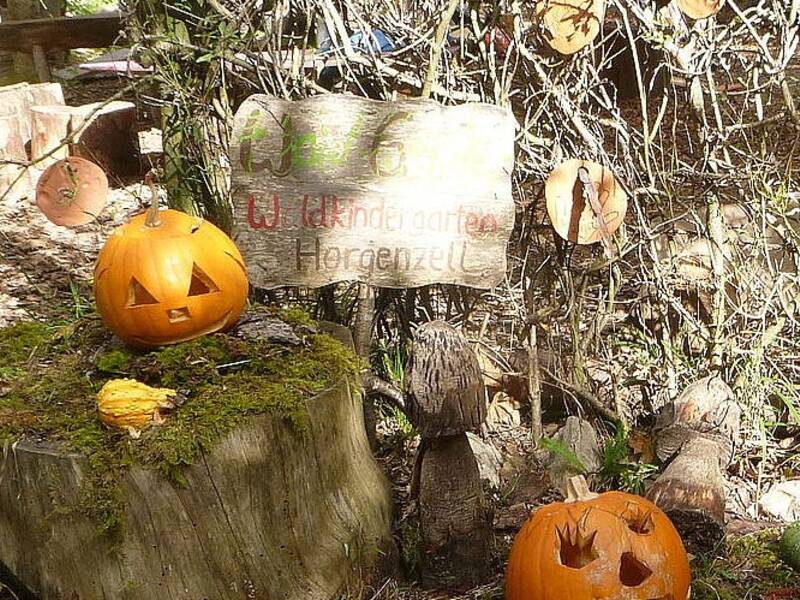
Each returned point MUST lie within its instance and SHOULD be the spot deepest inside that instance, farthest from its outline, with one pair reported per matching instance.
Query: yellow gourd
(132, 405)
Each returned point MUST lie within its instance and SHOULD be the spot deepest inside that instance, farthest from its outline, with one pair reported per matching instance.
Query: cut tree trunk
(107, 135)
(14, 179)
(268, 513)
(692, 493)
(698, 431)
(50, 126)
(454, 515)
(18, 100)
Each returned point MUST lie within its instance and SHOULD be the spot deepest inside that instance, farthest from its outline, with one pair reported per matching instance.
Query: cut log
(700, 429)
(453, 512)
(269, 512)
(106, 134)
(50, 127)
(18, 99)
(692, 492)
(705, 408)
(14, 179)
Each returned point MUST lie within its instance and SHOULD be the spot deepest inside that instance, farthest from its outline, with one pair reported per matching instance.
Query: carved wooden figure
(446, 399)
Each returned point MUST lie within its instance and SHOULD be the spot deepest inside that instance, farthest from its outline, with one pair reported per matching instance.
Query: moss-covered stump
(285, 502)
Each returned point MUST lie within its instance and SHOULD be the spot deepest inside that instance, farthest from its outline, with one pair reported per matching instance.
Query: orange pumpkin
(570, 25)
(700, 9)
(167, 277)
(613, 546)
(72, 191)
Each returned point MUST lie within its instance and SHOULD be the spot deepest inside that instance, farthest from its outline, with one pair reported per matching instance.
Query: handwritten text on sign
(399, 194)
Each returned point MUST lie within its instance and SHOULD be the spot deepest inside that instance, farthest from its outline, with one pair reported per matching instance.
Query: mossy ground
(749, 568)
(49, 378)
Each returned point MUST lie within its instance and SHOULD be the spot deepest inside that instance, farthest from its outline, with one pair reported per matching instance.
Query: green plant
(563, 451)
(618, 471)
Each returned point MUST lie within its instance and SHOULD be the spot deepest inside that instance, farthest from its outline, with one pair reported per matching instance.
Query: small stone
(782, 501)
(503, 413)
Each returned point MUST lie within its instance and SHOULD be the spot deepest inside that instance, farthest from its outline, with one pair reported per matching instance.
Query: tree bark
(268, 513)
(453, 512)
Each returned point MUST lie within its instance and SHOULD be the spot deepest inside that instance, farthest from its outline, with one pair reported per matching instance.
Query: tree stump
(691, 490)
(50, 126)
(107, 135)
(270, 512)
(18, 99)
(698, 432)
(14, 179)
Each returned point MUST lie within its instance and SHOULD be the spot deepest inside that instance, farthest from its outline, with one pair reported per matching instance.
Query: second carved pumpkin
(167, 277)
(614, 546)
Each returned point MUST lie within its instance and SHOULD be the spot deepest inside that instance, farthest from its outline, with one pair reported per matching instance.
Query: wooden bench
(37, 36)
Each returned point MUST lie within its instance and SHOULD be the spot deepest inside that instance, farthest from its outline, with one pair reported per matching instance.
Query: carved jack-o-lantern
(614, 546)
(167, 277)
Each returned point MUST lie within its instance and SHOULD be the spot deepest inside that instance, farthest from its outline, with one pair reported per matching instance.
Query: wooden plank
(95, 31)
(394, 194)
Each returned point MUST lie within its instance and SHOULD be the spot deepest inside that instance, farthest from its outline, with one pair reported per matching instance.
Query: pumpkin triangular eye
(138, 295)
(201, 283)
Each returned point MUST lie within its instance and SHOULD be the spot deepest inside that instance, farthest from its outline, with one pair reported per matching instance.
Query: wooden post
(364, 322)
(41, 64)
(535, 387)
(50, 128)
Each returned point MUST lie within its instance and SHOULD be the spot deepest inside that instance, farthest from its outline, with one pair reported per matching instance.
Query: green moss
(17, 345)
(749, 569)
(222, 380)
(114, 361)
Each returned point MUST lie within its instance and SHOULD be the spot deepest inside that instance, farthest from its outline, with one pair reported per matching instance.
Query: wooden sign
(399, 194)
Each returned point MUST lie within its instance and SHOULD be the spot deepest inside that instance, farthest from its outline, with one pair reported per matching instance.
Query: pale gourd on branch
(570, 25)
(585, 203)
(72, 192)
(700, 9)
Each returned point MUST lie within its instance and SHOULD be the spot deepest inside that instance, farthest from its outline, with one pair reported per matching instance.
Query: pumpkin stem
(578, 490)
(152, 219)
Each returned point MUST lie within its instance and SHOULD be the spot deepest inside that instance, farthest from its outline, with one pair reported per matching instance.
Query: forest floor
(45, 273)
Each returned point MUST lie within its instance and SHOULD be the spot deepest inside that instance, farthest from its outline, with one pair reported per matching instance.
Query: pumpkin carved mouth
(213, 328)
(178, 315)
